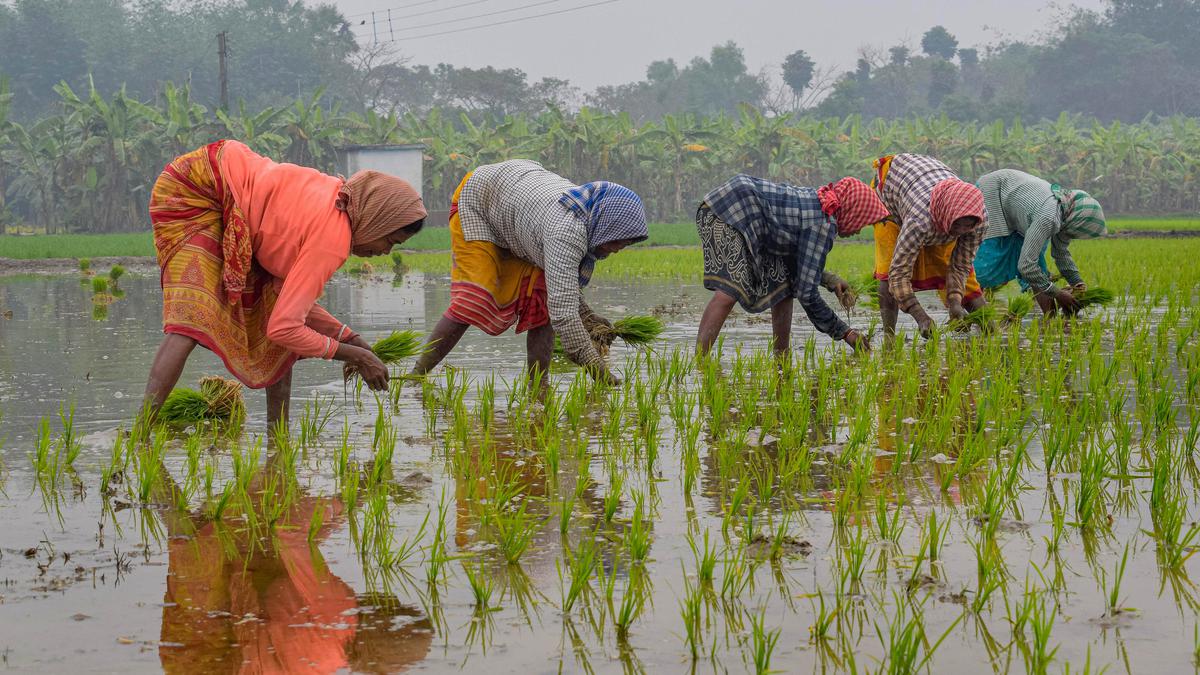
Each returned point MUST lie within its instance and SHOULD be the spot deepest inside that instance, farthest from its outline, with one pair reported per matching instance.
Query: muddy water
(89, 583)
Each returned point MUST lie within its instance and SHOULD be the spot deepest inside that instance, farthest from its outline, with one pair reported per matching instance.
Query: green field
(37, 247)
(41, 246)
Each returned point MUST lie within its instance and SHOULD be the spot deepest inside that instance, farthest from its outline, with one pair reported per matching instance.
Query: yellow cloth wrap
(490, 288)
(929, 272)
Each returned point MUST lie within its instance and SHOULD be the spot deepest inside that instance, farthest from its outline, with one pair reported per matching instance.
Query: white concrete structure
(404, 161)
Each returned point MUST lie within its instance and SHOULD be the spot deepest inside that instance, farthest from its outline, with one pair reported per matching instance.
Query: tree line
(1133, 59)
(89, 166)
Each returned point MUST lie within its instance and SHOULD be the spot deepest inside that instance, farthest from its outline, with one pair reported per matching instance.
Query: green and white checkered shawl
(1082, 217)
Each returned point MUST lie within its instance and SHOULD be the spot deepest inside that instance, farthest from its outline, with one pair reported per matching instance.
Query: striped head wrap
(378, 204)
(952, 199)
(1082, 217)
(612, 212)
(853, 203)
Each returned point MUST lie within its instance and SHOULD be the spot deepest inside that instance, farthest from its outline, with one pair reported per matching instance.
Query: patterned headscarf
(378, 204)
(1082, 216)
(853, 203)
(952, 199)
(612, 212)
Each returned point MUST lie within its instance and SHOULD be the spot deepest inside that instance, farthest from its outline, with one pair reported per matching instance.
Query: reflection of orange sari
(190, 206)
(277, 611)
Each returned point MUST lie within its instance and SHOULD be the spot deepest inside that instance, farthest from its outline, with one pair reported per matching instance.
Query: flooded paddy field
(1020, 501)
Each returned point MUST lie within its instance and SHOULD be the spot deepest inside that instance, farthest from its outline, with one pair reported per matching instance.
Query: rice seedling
(1019, 306)
(115, 274)
(633, 602)
(1112, 587)
(1095, 296)
(218, 399)
(637, 534)
(639, 330)
(582, 562)
(983, 318)
(762, 642)
(691, 610)
(482, 587)
(400, 345)
(99, 285)
(514, 533)
(314, 419)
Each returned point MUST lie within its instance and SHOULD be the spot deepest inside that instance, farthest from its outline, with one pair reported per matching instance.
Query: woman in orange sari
(245, 247)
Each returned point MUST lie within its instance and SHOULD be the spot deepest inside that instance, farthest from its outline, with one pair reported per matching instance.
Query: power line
(506, 21)
(416, 14)
(411, 4)
(478, 16)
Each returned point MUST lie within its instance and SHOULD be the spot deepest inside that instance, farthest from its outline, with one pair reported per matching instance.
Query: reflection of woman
(238, 602)
(246, 247)
(765, 243)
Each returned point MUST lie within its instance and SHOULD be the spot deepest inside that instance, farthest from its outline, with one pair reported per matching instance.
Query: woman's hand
(924, 323)
(858, 341)
(349, 370)
(364, 363)
(1066, 301)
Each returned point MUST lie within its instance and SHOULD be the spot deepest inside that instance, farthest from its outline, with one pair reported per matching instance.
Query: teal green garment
(1045, 216)
(998, 258)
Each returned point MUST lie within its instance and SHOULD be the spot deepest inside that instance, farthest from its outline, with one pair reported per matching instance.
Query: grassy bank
(657, 263)
(1119, 264)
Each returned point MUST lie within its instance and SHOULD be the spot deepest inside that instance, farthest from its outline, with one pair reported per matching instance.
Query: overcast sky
(612, 43)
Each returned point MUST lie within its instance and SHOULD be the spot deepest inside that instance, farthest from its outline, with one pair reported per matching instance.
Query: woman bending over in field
(1026, 216)
(246, 245)
(935, 225)
(524, 242)
(765, 244)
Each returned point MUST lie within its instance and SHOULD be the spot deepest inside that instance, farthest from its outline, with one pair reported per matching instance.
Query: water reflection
(243, 599)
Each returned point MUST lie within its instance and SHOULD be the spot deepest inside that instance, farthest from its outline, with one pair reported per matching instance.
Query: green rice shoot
(400, 345)
(639, 330)
(983, 317)
(1019, 306)
(218, 399)
(183, 407)
(99, 285)
(1095, 296)
(116, 273)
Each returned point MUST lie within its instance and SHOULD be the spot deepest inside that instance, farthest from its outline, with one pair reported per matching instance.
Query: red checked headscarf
(853, 203)
(953, 199)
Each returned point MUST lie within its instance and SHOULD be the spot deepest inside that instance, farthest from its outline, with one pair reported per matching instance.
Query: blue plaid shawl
(612, 212)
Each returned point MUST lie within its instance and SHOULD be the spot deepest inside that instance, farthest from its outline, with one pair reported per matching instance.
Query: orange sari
(190, 205)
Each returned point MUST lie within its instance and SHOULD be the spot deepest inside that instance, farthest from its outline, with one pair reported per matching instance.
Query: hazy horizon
(572, 44)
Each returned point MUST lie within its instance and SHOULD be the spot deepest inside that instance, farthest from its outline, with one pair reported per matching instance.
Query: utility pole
(222, 53)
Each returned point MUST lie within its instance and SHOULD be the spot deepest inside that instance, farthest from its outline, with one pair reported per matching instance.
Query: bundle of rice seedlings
(1095, 296)
(218, 399)
(99, 285)
(224, 398)
(983, 317)
(116, 273)
(1018, 307)
(85, 265)
(639, 330)
(400, 345)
